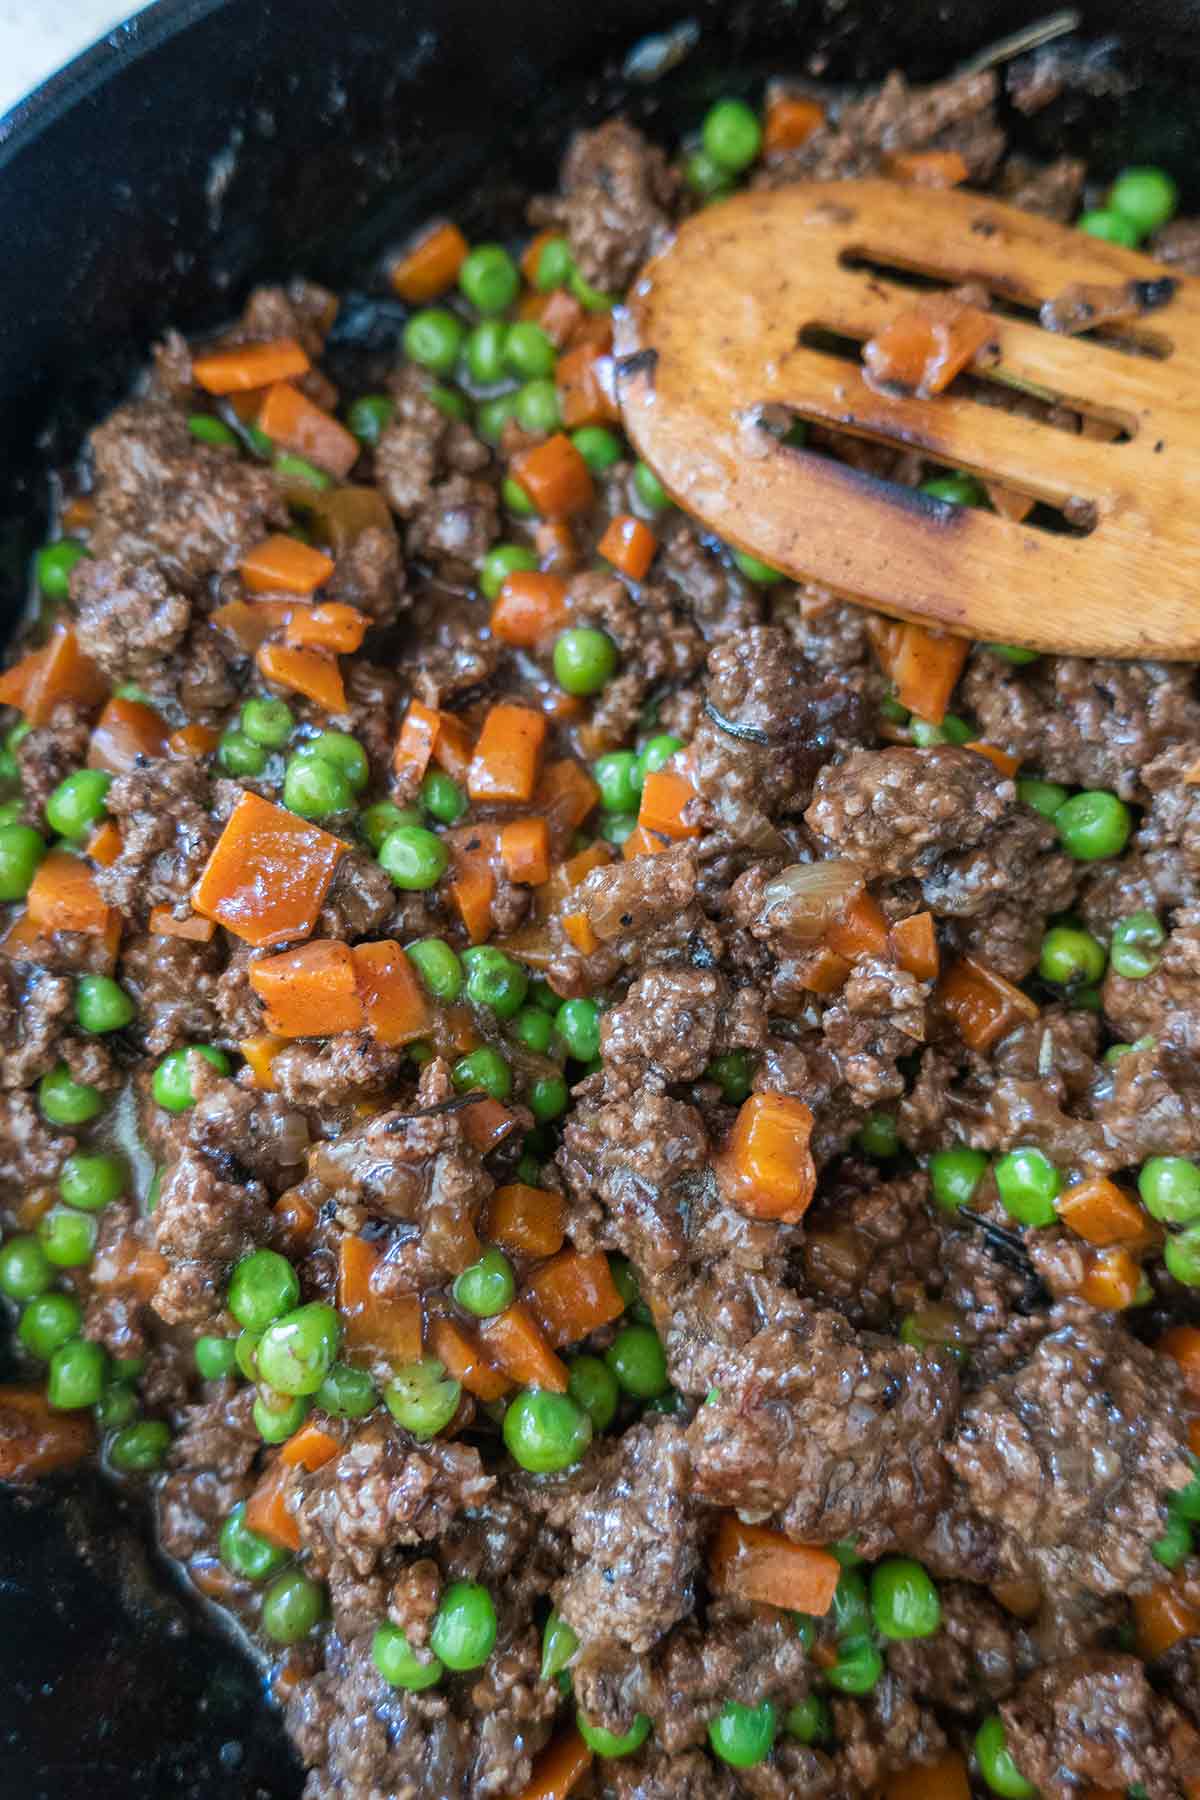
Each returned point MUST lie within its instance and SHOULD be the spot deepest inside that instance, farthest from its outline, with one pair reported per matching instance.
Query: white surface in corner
(39, 36)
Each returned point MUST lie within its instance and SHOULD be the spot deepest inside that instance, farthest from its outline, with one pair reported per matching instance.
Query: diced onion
(802, 903)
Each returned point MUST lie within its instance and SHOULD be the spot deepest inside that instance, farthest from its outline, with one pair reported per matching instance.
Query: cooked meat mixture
(623, 1175)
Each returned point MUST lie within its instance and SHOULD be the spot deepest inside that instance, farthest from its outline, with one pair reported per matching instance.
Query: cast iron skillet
(215, 143)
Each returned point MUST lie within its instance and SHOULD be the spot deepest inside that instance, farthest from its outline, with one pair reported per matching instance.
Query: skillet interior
(223, 142)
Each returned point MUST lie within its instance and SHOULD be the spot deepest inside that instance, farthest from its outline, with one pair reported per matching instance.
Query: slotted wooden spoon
(712, 333)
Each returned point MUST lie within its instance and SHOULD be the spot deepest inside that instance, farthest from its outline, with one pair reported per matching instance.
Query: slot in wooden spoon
(720, 326)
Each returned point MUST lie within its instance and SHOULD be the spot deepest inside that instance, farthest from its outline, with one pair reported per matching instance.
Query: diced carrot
(1004, 760)
(1162, 1618)
(529, 608)
(486, 1123)
(584, 393)
(767, 1168)
(79, 514)
(294, 1214)
(283, 565)
(268, 874)
(59, 671)
(559, 1769)
(641, 842)
(251, 622)
(1101, 1213)
(573, 1294)
(928, 168)
(63, 896)
(464, 1361)
(1193, 1435)
(293, 422)
(914, 941)
(565, 795)
(789, 123)
(525, 851)
(473, 888)
(126, 731)
(754, 1563)
(1182, 1344)
(260, 1052)
(387, 1325)
(531, 255)
(823, 971)
(414, 746)
(250, 366)
(516, 1343)
(310, 991)
(393, 1000)
(105, 844)
(430, 266)
(945, 1779)
(558, 553)
(982, 1005)
(925, 346)
(453, 747)
(193, 929)
(577, 868)
(266, 1512)
(665, 796)
(578, 928)
(357, 1262)
(507, 757)
(330, 626)
(310, 1448)
(193, 740)
(925, 668)
(313, 673)
(595, 329)
(862, 929)
(35, 1440)
(526, 1221)
(629, 545)
(555, 477)
(560, 316)
(1008, 503)
(1111, 1278)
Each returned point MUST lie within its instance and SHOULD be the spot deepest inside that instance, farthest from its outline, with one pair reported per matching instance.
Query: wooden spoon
(712, 334)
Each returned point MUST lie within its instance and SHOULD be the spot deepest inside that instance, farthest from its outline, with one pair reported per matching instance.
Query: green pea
(21, 850)
(585, 660)
(706, 177)
(139, 1449)
(400, 1665)
(128, 1368)
(238, 755)
(48, 1322)
(1181, 1255)
(546, 1432)
(547, 1097)
(593, 1385)
(292, 1606)
(732, 135)
(1174, 1545)
(656, 753)
(25, 1270)
(846, 1552)
(77, 804)
(67, 1237)
(422, 1398)
(208, 430)
(1087, 999)
(528, 1170)
(578, 1025)
(858, 1667)
(296, 1352)
(755, 570)
(1147, 197)
(216, 1358)
(542, 994)
(904, 1601)
(263, 1287)
(1070, 955)
(488, 1286)
(616, 827)
(879, 1137)
(267, 723)
(495, 980)
(559, 1644)
(1028, 1184)
(315, 788)
(625, 1280)
(1170, 1189)
(501, 561)
(347, 1392)
(536, 408)
(245, 1353)
(529, 351)
(53, 566)
(1113, 227)
(65, 1101)
(375, 822)
(414, 858)
(649, 489)
(587, 295)
(77, 1374)
(247, 1553)
(534, 1029)
(1093, 825)
(489, 278)
(344, 753)
(484, 351)
(599, 447)
(516, 499)
(296, 468)
(171, 1083)
(434, 338)
(809, 1721)
(463, 1632)
(439, 967)
(101, 1004)
(10, 810)
(958, 489)
(442, 798)
(1014, 654)
(484, 1068)
(278, 1422)
(996, 1765)
(851, 1607)
(637, 1359)
(743, 1735)
(369, 417)
(1136, 941)
(492, 416)
(1185, 1501)
(555, 265)
(92, 1181)
(1044, 796)
(610, 1743)
(257, 440)
(116, 1407)
(618, 776)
